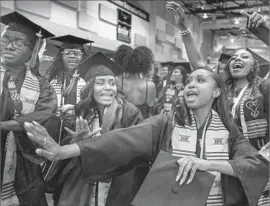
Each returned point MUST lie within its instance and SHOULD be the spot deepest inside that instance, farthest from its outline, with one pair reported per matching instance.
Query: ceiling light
(205, 16)
(236, 21)
(232, 40)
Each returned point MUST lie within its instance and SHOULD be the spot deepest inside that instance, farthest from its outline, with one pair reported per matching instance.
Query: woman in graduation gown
(101, 108)
(248, 93)
(25, 96)
(202, 134)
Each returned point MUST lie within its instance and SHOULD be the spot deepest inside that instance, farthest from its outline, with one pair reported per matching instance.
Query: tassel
(32, 63)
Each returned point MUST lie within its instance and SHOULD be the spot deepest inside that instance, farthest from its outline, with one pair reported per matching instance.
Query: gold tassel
(32, 62)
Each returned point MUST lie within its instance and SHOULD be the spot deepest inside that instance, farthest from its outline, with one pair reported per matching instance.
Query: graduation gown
(64, 178)
(121, 150)
(28, 180)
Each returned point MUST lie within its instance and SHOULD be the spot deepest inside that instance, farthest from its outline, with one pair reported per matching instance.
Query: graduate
(24, 96)
(200, 132)
(63, 74)
(101, 108)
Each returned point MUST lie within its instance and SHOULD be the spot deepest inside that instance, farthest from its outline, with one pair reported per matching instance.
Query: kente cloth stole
(59, 89)
(214, 146)
(253, 123)
(23, 103)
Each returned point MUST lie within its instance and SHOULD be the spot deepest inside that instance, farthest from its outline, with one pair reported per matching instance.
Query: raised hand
(82, 130)
(255, 20)
(189, 165)
(178, 13)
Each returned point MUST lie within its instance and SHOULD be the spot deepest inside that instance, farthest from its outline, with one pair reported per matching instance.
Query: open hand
(178, 13)
(82, 130)
(255, 20)
(189, 165)
(39, 135)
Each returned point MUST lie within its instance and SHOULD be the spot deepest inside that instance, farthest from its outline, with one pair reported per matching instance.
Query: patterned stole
(214, 147)
(59, 89)
(23, 103)
(251, 114)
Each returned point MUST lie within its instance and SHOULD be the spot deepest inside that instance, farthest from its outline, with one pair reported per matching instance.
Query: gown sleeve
(119, 151)
(252, 169)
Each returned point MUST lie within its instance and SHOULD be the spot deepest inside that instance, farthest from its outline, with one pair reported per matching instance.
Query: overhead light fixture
(232, 40)
(205, 16)
(236, 21)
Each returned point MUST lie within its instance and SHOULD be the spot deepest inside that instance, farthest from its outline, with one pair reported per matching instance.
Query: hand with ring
(189, 165)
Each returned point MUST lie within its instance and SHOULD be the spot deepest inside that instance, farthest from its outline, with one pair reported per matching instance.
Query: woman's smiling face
(241, 64)
(105, 90)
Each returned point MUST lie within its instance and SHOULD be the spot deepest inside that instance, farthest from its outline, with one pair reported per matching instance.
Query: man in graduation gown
(63, 74)
(25, 96)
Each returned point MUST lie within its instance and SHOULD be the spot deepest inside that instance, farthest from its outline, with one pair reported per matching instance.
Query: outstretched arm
(193, 53)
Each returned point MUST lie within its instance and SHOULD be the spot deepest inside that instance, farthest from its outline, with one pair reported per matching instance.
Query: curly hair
(138, 60)
(122, 54)
(141, 60)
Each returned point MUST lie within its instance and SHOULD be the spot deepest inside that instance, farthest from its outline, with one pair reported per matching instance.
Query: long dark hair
(220, 104)
(87, 103)
(252, 77)
(183, 72)
(55, 71)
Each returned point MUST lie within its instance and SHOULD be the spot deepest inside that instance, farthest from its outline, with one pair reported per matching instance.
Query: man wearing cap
(25, 96)
(63, 74)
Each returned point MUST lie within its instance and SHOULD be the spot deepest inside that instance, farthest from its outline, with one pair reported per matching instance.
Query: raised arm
(193, 53)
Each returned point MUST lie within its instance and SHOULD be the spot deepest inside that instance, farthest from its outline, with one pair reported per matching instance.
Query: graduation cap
(15, 21)
(224, 58)
(99, 65)
(70, 41)
(263, 63)
(160, 187)
(186, 65)
(166, 63)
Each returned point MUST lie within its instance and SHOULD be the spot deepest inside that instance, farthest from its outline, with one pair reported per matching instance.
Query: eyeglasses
(17, 43)
(72, 52)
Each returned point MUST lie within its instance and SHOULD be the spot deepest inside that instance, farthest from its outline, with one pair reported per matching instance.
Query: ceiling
(220, 10)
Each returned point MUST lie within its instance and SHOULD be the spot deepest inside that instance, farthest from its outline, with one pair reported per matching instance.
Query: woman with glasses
(24, 96)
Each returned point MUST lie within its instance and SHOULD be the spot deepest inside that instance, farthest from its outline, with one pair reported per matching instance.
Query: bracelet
(183, 33)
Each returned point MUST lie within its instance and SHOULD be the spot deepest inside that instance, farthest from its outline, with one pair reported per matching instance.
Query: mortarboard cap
(224, 58)
(263, 63)
(186, 65)
(166, 63)
(17, 22)
(70, 41)
(99, 65)
(160, 187)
